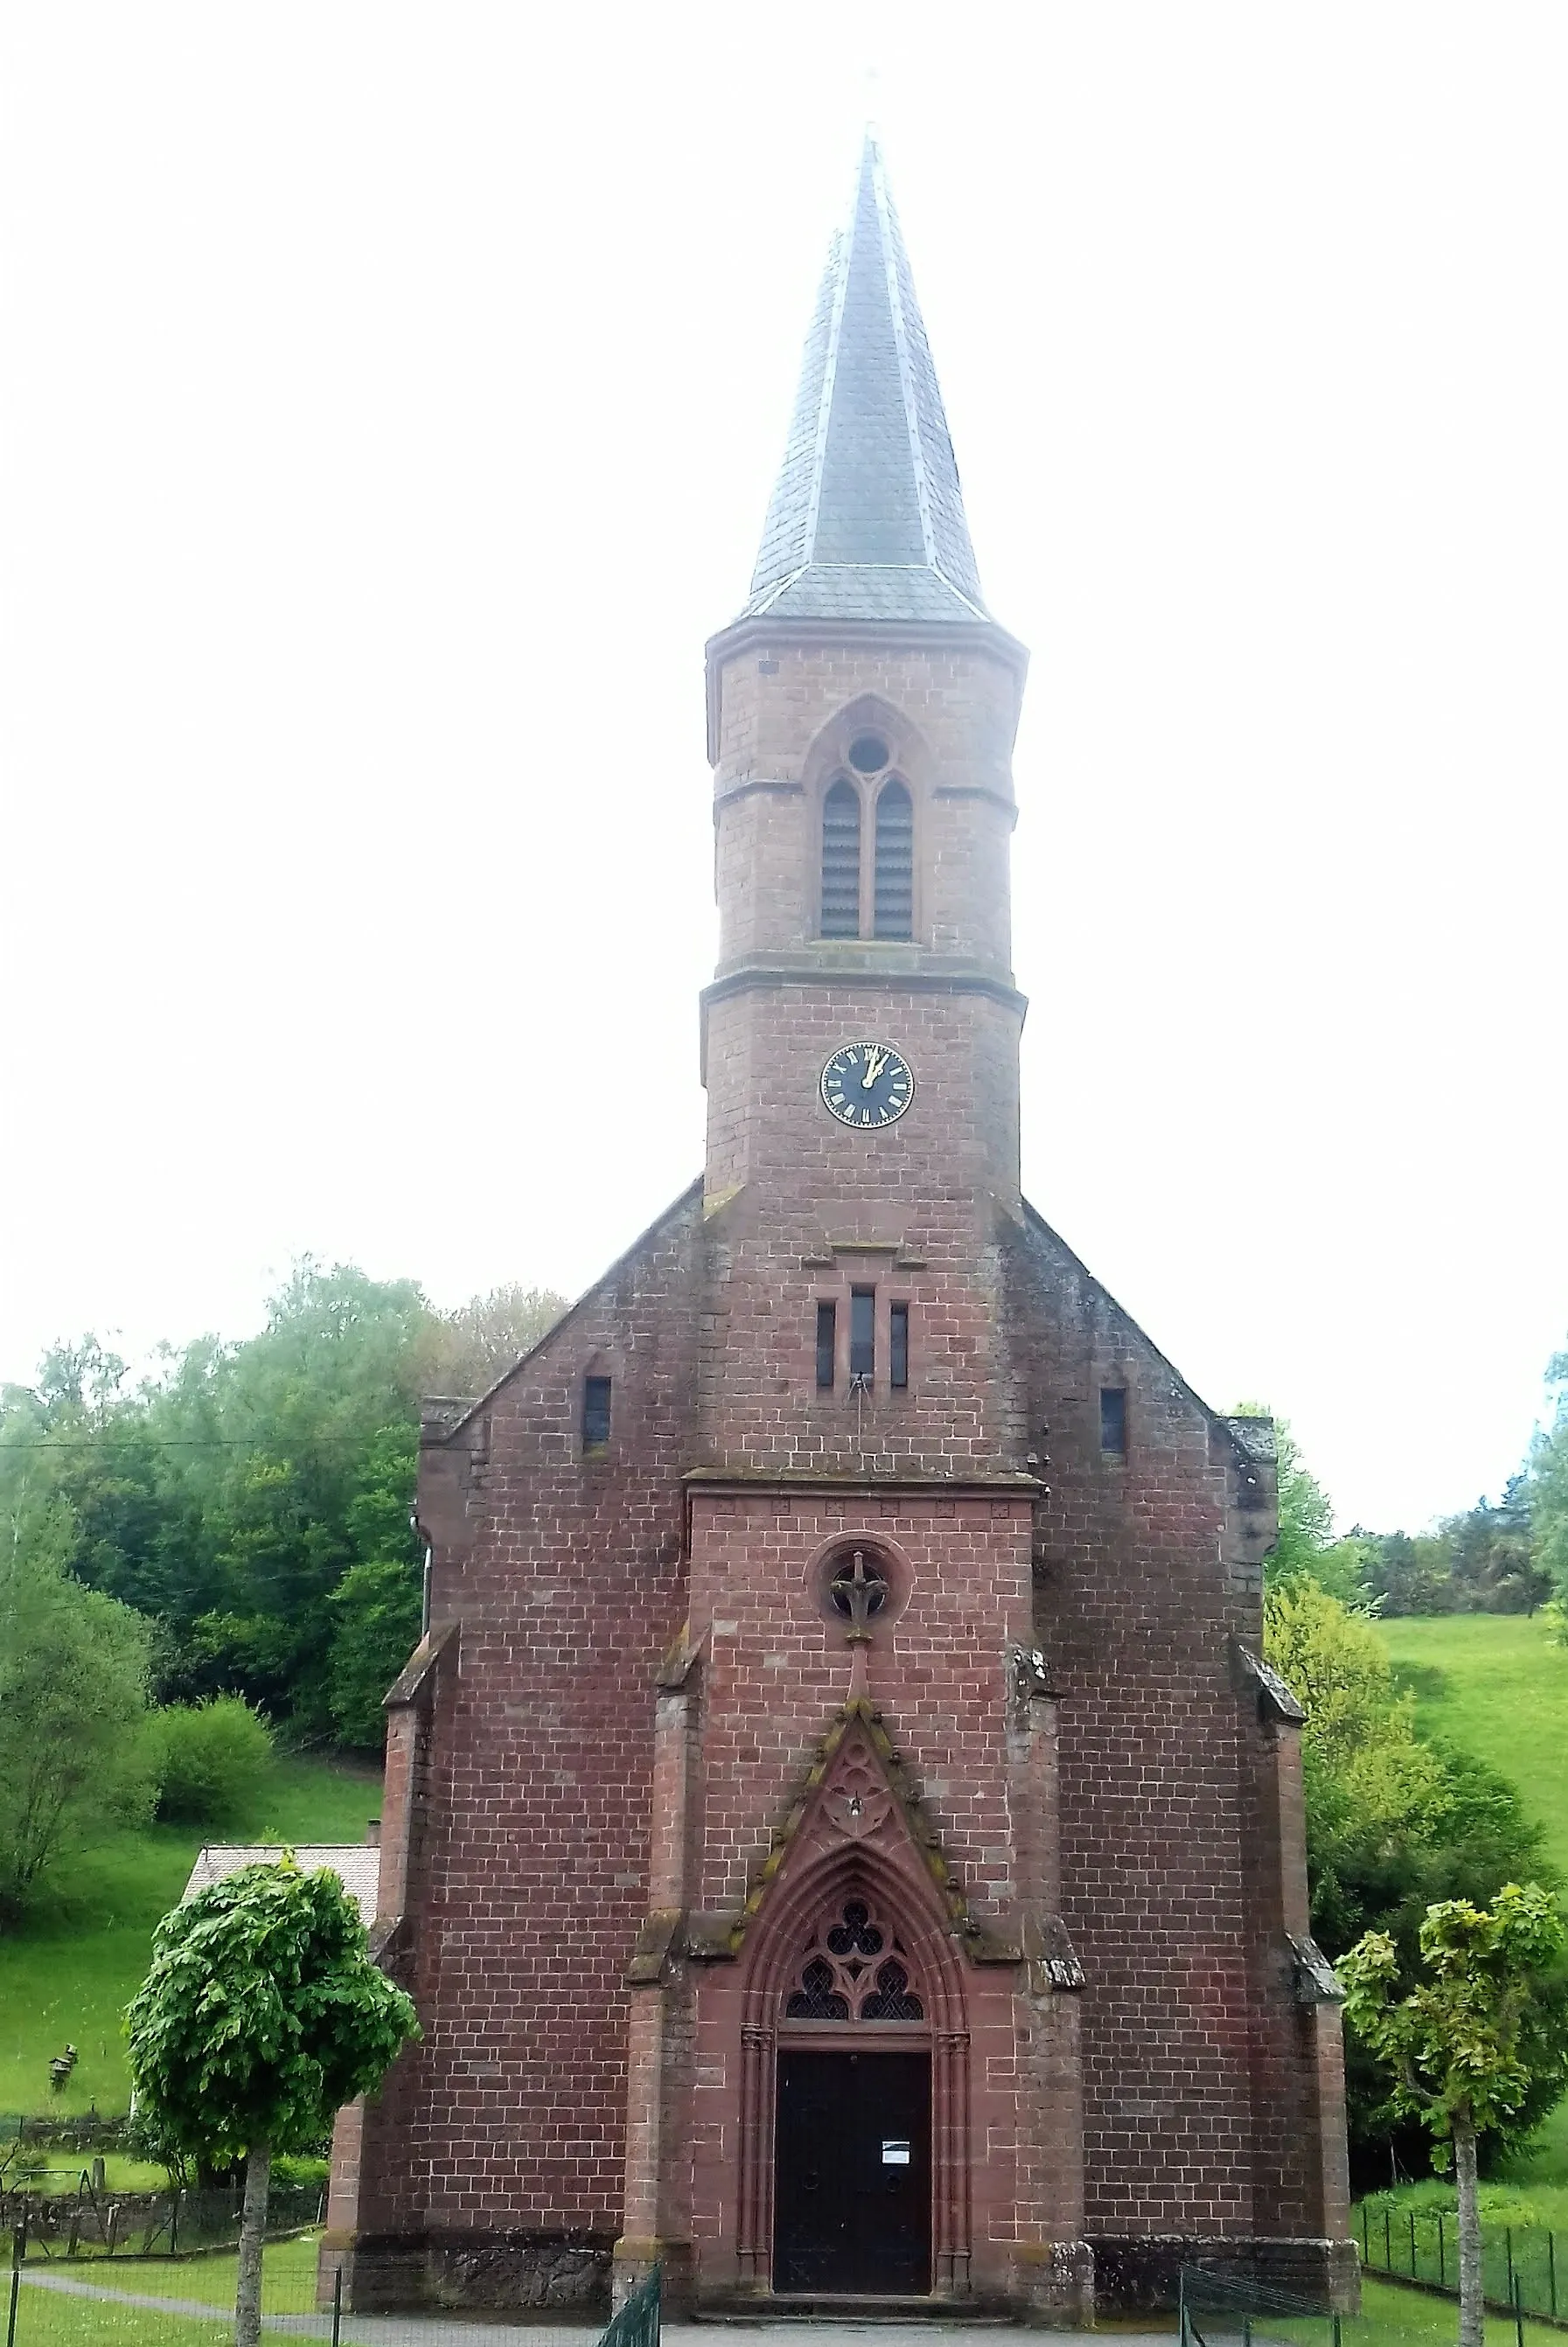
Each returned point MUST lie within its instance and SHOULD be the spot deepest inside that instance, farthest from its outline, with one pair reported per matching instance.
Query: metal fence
(1222, 2310)
(1518, 2264)
(185, 2298)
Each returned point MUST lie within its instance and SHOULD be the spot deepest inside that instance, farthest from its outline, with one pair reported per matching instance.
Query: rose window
(854, 1969)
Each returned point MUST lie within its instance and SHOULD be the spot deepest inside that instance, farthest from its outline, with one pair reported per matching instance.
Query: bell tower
(860, 1035)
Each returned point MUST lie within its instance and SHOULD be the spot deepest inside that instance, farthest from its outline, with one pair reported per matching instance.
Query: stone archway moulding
(867, 1853)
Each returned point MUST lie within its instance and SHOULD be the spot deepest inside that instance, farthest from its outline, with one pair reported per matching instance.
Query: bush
(208, 1757)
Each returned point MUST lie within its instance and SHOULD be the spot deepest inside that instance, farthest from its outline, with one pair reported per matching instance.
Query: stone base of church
(488, 2271)
(1057, 2284)
(1139, 2273)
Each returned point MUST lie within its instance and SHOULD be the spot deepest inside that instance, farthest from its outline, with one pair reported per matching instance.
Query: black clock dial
(868, 1084)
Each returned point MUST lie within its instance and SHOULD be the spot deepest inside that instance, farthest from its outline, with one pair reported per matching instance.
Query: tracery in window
(854, 1969)
(893, 911)
(841, 861)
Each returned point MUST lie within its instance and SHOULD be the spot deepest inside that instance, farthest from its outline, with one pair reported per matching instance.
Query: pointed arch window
(855, 1969)
(841, 861)
(893, 907)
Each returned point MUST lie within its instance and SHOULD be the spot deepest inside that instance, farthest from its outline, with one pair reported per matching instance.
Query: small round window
(857, 1587)
(868, 753)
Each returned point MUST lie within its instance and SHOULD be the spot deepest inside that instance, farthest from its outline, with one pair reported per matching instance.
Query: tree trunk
(252, 2233)
(1472, 2307)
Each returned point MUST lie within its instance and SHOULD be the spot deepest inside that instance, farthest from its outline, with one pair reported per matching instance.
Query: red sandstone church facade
(839, 1834)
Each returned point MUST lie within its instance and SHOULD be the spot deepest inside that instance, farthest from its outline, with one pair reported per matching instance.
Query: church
(840, 1833)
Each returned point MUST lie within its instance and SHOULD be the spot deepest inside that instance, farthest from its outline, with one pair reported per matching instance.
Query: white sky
(392, 397)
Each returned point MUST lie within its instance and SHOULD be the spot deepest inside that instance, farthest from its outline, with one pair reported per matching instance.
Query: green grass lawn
(1392, 2317)
(1496, 1685)
(82, 1953)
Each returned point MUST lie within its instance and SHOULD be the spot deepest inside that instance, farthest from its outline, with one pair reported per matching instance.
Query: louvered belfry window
(841, 861)
(894, 880)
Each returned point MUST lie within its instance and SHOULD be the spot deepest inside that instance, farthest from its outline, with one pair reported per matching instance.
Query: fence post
(1336, 2329)
(1507, 2253)
(337, 2305)
(18, 2248)
(1551, 2270)
(1412, 2245)
(1366, 2245)
(174, 2225)
(1442, 2256)
(1387, 2241)
(1518, 2297)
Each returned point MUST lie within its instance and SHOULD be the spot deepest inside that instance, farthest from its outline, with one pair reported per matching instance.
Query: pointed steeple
(868, 518)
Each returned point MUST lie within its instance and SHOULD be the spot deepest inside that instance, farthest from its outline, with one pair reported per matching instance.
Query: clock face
(868, 1084)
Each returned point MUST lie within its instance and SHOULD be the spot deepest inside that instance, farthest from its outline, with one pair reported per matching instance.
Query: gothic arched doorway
(854, 2132)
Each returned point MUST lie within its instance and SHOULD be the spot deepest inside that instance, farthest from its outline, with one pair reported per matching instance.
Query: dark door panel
(852, 2176)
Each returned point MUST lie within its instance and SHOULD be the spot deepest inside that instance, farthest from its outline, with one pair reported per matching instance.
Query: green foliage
(262, 2014)
(73, 1698)
(231, 1495)
(1394, 1822)
(1549, 1494)
(206, 1757)
(377, 1609)
(1456, 2046)
(82, 1949)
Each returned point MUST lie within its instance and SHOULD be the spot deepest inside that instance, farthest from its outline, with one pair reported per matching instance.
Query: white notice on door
(894, 2154)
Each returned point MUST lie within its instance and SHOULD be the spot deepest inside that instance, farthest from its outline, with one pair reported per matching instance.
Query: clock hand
(874, 1063)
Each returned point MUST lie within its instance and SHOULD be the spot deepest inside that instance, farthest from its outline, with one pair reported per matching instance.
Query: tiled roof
(356, 1865)
(867, 516)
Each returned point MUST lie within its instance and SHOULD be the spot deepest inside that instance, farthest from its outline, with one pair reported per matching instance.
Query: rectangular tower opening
(827, 1346)
(862, 1332)
(1114, 1421)
(897, 1345)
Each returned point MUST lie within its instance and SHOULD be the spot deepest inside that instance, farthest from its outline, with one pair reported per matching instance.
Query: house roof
(867, 518)
(357, 1865)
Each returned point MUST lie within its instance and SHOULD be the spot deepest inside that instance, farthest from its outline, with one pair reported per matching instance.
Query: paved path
(451, 2331)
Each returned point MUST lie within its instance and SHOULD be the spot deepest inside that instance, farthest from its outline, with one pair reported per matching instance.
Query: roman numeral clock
(868, 1084)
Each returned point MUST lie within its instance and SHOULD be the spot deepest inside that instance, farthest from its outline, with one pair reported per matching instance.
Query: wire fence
(1229, 2310)
(1520, 2264)
(184, 2297)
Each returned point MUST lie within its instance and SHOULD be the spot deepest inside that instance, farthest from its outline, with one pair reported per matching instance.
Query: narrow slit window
(595, 1413)
(827, 1346)
(895, 893)
(897, 1345)
(841, 861)
(862, 1332)
(1114, 1421)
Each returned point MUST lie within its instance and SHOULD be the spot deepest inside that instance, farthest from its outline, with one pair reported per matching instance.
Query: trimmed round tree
(1455, 2046)
(262, 2014)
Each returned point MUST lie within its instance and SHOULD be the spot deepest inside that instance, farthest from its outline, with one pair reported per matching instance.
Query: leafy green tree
(1549, 1493)
(1394, 1824)
(209, 1757)
(261, 2015)
(73, 1699)
(479, 1341)
(1454, 2046)
(377, 1609)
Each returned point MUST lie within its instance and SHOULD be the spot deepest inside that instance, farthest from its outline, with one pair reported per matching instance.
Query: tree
(1394, 1824)
(261, 2015)
(72, 1701)
(1454, 2044)
(1549, 1493)
(479, 1341)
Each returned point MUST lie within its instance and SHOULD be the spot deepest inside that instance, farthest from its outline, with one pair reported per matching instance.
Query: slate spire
(868, 518)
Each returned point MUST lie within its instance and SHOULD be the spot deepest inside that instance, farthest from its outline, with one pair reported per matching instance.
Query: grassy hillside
(83, 1952)
(1496, 1685)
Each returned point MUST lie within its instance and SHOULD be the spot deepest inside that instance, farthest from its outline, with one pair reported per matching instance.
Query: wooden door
(852, 2176)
